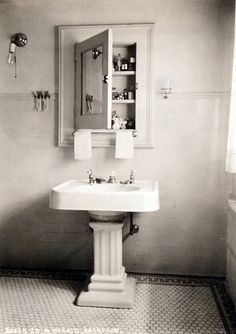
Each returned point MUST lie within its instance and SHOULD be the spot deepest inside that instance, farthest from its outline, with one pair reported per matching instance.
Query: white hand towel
(124, 144)
(82, 145)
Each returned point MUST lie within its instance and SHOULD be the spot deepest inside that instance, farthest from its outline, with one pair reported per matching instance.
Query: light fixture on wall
(19, 40)
(167, 89)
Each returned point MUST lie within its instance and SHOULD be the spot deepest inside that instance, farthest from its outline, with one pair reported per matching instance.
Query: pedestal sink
(107, 205)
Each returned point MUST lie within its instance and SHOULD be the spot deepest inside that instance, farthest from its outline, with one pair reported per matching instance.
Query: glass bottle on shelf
(124, 65)
(118, 62)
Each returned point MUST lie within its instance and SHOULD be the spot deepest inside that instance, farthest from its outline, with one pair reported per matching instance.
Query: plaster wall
(231, 236)
(188, 234)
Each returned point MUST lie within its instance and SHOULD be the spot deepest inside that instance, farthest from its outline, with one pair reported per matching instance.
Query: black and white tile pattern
(164, 305)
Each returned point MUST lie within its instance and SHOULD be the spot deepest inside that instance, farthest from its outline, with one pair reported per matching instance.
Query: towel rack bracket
(134, 132)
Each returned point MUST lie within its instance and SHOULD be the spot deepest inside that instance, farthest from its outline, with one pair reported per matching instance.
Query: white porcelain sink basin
(107, 204)
(105, 187)
(142, 196)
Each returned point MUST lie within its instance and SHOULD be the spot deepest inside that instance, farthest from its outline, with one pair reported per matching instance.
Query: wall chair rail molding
(22, 96)
(132, 42)
(194, 95)
(15, 96)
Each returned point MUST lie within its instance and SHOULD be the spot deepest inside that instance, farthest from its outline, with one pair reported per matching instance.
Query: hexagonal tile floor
(163, 306)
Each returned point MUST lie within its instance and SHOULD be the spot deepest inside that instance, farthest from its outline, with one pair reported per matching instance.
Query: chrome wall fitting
(42, 100)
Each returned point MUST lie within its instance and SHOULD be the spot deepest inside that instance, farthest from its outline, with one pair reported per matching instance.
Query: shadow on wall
(34, 236)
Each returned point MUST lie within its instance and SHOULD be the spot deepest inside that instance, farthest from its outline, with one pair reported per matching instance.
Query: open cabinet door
(93, 82)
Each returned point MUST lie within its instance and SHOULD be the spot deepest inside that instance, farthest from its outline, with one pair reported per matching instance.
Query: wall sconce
(19, 40)
(166, 90)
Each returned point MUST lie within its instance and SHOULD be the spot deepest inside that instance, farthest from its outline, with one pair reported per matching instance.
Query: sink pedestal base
(109, 286)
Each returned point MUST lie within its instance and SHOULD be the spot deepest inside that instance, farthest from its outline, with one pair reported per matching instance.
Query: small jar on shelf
(131, 64)
(131, 95)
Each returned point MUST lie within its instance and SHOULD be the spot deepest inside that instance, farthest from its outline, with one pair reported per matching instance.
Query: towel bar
(134, 132)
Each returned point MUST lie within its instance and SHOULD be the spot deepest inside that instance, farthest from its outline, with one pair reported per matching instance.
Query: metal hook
(96, 53)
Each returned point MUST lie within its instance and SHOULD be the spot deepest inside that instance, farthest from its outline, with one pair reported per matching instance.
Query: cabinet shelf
(123, 73)
(123, 101)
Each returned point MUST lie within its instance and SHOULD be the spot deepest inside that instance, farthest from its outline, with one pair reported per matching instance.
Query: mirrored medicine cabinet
(105, 75)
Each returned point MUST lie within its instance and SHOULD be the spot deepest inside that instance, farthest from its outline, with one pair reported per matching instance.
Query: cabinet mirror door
(93, 71)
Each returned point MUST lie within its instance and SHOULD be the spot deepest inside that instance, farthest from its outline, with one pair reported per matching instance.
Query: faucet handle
(90, 172)
(112, 177)
(92, 179)
(132, 173)
(132, 176)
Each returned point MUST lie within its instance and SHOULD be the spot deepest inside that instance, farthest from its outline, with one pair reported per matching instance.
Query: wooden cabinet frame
(142, 35)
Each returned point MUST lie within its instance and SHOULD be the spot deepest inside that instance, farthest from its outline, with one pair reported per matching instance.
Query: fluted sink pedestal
(109, 286)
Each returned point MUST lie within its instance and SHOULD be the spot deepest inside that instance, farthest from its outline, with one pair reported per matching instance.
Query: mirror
(93, 66)
(91, 81)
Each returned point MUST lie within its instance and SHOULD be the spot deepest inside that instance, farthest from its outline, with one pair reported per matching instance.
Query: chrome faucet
(92, 179)
(131, 178)
(112, 178)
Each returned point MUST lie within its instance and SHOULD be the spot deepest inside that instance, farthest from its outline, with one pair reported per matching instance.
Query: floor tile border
(225, 306)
